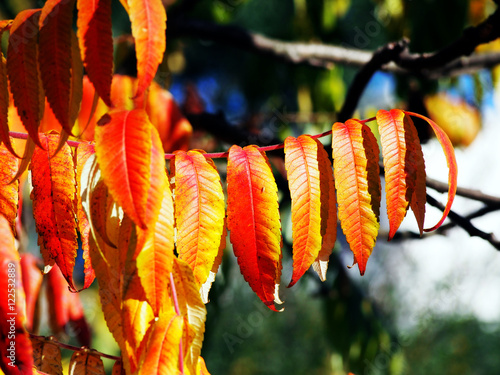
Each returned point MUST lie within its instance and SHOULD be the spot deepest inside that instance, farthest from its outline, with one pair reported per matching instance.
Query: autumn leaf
(199, 212)
(96, 44)
(23, 73)
(86, 362)
(9, 186)
(303, 176)
(402, 159)
(162, 356)
(328, 212)
(55, 57)
(123, 149)
(156, 251)
(449, 153)
(47, 356)
(32, 282)
(190, 306)
(83, 152)
(355, 156)
(53, 180)
(14, 340)
(149, 22)
(4, 95)
(254, 222)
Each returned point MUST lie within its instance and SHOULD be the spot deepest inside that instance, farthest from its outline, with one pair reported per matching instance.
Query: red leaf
(149, 22)
(254, 222)
(123, 150)
(4, 95)
(15, 346)
(22, 68)
(355, 156)
(55, 57)
(96, 44)
(32, 281)
(83, 153)
(53, 180)
(449, 153)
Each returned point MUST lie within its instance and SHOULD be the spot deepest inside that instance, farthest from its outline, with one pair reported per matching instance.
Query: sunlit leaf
(32, 282)
(22, 69)
(46, 356)
(9, 186)
(301, 161)
(4, 95)
(356, 170)
(149, 22)
(96, 44)
(199, 212)
(53, 194)
(55, 57)
(123, 149)
(254, 222)
(449, 153)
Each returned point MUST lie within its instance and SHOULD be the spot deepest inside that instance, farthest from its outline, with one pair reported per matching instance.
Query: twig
(464, 192)
(465, 224)
(74, 348)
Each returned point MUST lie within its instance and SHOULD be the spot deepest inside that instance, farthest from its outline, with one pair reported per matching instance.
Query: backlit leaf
(123, 149)
(9, 186)
(254, 222)
(83, 153)
(53, 194)
(162, 356)
(328, 212)
(301, 162)
(149, 22)
(190, 306)
(449, 153)
(55, 57)
(86, 362)
(4, 95)
(22, 69)
(96, 44)
(199, 212)
(356, 170)
(154, 260)
(401, 163)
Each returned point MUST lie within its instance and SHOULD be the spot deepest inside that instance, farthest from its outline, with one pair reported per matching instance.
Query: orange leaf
(162, 356)
(402, 159)
(156, 255)
(86, 362)
(4, 96)
(53, 180)
(254, 222)
(199, 212)
(190, 306)
(328, 212)
(301, 162)
(55, 57)
(83, 153)
(123, 149)
(356, 170)
(449, 153)
(47, 356)
(22, 68)
(9, 186)
(149, 22)
(96, 44)
(15, 347)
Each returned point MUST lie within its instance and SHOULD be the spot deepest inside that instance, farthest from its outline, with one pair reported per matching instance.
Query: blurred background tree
(238, 83)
